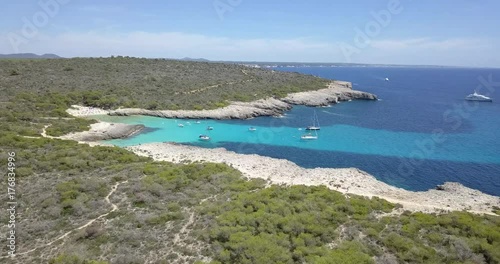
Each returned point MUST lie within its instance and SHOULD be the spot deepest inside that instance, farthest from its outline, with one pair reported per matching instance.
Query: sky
(410, 32)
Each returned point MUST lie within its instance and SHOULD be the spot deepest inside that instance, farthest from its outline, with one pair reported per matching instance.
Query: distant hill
(195, 59)
(29, 56)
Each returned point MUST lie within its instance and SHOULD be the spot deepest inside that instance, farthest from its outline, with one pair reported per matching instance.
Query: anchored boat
(478, 97)
(309, 136)
(315, 123)
(204, 138)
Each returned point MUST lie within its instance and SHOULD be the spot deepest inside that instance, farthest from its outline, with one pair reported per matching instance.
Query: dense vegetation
(149, 83)
(316, 225)
(196, 212)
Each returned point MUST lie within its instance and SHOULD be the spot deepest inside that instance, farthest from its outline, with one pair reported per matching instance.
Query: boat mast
(316, 117)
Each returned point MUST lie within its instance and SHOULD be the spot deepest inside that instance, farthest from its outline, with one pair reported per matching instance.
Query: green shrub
(348, 253)
(165, 217)
(72, 259)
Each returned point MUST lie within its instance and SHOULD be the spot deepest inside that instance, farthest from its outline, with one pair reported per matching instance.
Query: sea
(419, 134)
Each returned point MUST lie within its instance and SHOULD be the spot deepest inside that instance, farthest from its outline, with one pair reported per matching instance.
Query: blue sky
(445, 32)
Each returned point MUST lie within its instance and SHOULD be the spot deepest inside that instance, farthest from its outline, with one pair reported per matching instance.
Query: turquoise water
(342, 138)
(420, 134)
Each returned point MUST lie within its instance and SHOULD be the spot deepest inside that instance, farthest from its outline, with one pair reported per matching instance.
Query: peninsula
(336, 92)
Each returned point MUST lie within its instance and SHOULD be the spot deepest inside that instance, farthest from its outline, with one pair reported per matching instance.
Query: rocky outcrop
(337, 91)
(105, 131)
(237, 110)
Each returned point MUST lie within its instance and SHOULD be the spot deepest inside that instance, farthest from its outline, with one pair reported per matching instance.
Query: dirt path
(57, 118)
(177, 237)
(44, 132)
(30, 137)
(113, 206)
(216, 85)
(190, 221)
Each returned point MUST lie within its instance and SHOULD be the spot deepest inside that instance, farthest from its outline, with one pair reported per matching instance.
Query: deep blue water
(419, 134)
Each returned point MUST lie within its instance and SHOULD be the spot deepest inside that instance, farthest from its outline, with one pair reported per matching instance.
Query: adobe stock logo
(31, 26)
(223, 6)
(363, 36)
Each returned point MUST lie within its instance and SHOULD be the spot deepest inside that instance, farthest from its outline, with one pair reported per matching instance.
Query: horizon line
(251, 61)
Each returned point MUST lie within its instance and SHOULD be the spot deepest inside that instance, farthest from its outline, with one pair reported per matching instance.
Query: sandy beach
(452, 197)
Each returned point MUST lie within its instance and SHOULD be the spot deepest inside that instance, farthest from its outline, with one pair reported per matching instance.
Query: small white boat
(197, 122)
(252, 129)
(386, 79)
(180, 125)
(309, 136)
(478, 97)
(204, 138)
(210, 128)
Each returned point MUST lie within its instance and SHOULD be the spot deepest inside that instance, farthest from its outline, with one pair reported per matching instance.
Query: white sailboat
(315, 123)
(315, 127)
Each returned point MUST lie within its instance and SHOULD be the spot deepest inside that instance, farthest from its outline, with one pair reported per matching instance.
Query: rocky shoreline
(449, 197)
(337, 91)
(236, 110)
